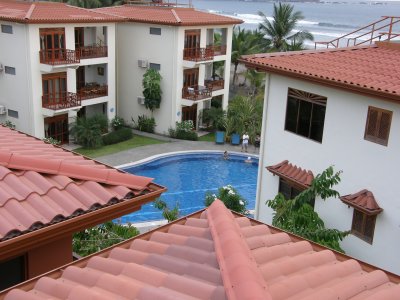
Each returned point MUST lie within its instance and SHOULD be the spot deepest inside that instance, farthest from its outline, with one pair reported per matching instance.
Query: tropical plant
(145, 123)
(184, 131)
(9, 124)
(52, 141)
(152, 89)
(100, 119)
(86, 132)
(117, 123)
(102, 236)
(117, 136)
(257, 81)
(298, 216)
(230, 197)
(213, 118)
(168, 214)
(244, 42)
(280, 31)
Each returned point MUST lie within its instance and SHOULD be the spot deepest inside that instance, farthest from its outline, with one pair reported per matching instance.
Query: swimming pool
(188, 176)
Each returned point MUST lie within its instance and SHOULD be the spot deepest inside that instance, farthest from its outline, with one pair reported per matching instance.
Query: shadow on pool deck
(171, 145)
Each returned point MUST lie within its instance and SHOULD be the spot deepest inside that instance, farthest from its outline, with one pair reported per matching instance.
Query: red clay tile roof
(372, 70)
(214, 255)
(292, 173)
(364, 200)
(169, 16)
(50, 12)
(41, 184)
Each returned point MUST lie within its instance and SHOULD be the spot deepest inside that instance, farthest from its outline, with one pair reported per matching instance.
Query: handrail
(374, 29)
(198, 54)
(59, 56)
(60, 100)
(89, 92)
(92, 51)
(217, 84)
(196, 92)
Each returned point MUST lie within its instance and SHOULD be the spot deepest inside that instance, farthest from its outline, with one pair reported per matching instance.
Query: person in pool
(248, 160)
(226, 155)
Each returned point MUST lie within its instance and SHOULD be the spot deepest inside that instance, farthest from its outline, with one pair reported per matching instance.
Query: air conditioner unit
(142, 63)
(1, 68)
(2, 110)
(140, 100)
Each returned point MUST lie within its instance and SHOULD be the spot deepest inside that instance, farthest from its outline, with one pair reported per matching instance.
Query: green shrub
(117, 136)
(183, 131)
(117, 123)
(52, 141)
(101, 120)
(230, 197)
(145, 123)
(87, 132)
(9, 124)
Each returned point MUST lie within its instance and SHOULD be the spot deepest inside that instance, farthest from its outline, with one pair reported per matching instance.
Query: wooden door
(54, 88)
(57, 128)
(190, 77)
(192, 38)
(79, 37)
(190, 113)
(52, 43)
(80, 77)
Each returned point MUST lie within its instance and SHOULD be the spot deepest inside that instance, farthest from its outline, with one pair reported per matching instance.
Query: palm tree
(257, 81)
(244, 42)
(280, 31)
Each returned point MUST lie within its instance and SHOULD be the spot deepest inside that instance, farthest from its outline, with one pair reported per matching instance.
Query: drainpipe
(262, 147)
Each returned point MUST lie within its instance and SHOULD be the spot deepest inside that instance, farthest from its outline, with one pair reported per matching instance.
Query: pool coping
(167, 154)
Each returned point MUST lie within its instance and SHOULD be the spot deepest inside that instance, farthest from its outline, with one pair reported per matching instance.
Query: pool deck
(171, 145)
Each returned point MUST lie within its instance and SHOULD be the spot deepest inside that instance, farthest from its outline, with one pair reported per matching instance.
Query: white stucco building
(337, 107)
(57, 61)
(180, 43)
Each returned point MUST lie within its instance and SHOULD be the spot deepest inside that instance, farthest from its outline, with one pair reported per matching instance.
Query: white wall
(14, 89)
(365, 165)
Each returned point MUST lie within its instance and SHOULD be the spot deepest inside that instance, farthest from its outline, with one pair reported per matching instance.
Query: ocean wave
(324, 24)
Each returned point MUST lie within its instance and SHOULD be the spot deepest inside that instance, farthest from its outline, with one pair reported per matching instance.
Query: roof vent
(2, 110)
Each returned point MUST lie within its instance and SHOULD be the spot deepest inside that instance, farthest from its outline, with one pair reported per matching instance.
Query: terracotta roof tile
(372, 69)
(238, 260)
(50, 12)
(364, 200)
(169, 16)
(293, 173)
(54, 185)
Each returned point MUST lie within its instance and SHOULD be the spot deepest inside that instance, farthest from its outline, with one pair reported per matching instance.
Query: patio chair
(220, 137)
(235, 139)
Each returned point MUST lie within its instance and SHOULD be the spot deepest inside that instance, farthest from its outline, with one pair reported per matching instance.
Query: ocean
(325, 20)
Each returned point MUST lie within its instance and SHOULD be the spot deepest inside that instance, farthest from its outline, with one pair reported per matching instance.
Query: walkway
(172, 145)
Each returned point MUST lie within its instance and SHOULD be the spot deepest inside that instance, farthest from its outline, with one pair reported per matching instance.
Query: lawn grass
(136, 141)
(208, 137)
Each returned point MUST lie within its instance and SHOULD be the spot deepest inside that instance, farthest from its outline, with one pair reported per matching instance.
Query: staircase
(382, 30)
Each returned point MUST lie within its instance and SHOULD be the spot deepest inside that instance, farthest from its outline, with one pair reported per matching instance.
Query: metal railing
(92, 51)
(381, 30)
(218, 49)
(198, 54)
(196, 92)
(60, 100)
(92, 91)
(59, 57)
(215, 84)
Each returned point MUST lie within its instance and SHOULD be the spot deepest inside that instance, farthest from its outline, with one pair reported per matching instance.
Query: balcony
(218, 50)
(215, 84)
(59, 101)
(198, 54)
(196, 92)
(92, 90)
(59, 57)
(92, 51)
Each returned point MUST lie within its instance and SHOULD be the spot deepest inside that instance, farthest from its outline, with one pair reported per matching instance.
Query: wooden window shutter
(378, 124)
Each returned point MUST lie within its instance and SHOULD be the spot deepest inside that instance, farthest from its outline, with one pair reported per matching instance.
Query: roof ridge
(30, 11)
(64, 167)
(174, 13)
(239, 271)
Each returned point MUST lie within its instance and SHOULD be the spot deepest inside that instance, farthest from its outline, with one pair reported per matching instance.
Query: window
(155, 30)
(13, 113)
(9, 70)
(363, 225)
(156, 67)
(377, 127)
(6, 29)
(12, 272)
(289, 191)
(305, 114)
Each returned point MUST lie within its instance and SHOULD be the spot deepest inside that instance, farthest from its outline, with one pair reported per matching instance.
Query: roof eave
(341, 85)
(296, 183)
(22, 243)
(363, 209)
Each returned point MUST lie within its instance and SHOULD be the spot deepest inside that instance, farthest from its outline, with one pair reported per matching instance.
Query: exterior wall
(365, 165)
(136, 43)
(15, 89)
(43, 259)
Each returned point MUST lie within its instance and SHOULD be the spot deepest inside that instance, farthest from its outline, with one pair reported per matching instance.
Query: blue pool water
(189, 176)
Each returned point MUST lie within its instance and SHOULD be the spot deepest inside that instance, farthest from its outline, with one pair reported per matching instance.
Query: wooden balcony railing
(218, 49)
(198, 54)
(60, 100)
(92, 91)
(59, 57)
(215, 84)
(196, 92)
(92, 51)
